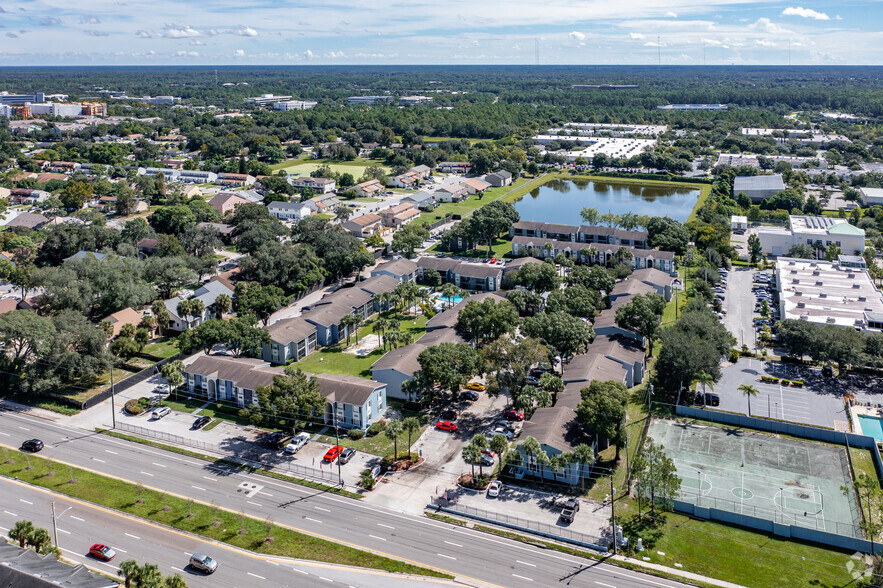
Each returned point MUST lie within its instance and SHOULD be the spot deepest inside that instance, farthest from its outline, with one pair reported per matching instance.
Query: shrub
(733, 355)
(769, 379)
(355, 434)
(367, 480)
(376, 427)
(786, 382)
(797, 383)
(133, 407)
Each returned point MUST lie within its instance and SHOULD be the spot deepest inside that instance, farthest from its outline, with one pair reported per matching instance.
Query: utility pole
(337, 437)
(113, 410)
(54, 526)
(613, 511)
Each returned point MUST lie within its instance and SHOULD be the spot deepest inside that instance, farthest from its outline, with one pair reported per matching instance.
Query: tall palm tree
(379, 327)
(749, 391)
(349, 321)
(583, 455)
(161, 314)
(411, 426)
(184, 310)
(707, 381)
(534, 452)
(394, 430)
(450, 291)
(21, 531)
(471, 454)
(223, 304)
(197, 308)
(383, 300)
(130, 570)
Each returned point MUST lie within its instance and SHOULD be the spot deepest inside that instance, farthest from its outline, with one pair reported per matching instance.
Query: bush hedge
(355, 434)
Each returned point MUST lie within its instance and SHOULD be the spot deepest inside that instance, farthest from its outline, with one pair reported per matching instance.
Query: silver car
(203, 563)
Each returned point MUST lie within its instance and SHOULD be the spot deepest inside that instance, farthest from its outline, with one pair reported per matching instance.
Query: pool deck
(860, 409)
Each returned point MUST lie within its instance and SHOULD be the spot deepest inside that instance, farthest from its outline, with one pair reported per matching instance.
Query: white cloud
(805, 13)
(143, 34)
(765, 24)
(196, 42)
(50, 21)
(712, 42)
(636, 36)
(97, 33)
(247, 32)
(671, 14)
(577, 35)
(764, 43)
(90, 20)
(309, 54)
(174, 32)
(239, 53)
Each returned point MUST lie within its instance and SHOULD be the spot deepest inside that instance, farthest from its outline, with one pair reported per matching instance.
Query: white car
(161, 412)
(299, 441)
(494, 489)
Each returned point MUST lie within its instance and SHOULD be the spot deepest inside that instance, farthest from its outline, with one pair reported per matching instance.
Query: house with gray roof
(291, 339)
(498, 179)
(558, 431)
(206, 293)
(402, 269)
(25, 568)
(289, 211)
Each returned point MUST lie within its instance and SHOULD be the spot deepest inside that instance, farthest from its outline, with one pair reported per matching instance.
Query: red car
(333, 453)
(102, 552)
(446, 426)
(513, 415)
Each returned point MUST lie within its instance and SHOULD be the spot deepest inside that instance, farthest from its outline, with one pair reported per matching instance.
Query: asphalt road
(474, 557)
(80, 525)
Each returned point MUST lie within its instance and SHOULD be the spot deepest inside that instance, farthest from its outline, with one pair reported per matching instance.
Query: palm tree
(197, 308)
(411, 426)
(471, 454)
(534, 452)
(175, 581)
(127, 331)
(548, 249)
(161, 314)
(379, 327)
(583, 455)
(480, 443)
(707, 381)
(349, 321)
(623, 254)
(130, 571)
(499, 444)
(393, 430)
(21, 531)
(148, 322)
(150, 576)
(223, 304)
(185, 310)
(749, 391)
(383, 301)
(450, 291)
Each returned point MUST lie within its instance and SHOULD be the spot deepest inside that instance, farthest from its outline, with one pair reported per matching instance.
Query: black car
(277, 440)
(469, 395)
(201, 422)
(708, 399)
(449, 415)
(827, 372)
(32, 445)
(346, 455)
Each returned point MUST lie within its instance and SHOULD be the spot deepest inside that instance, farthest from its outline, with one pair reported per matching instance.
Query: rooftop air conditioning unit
(819, 283)
(804, 317)
(822, 295)
(795, 281)
(856, 285)
(816, 273)
(851, 276)
(830, 319)
(793, 271)
(862, 298)
(801, 305)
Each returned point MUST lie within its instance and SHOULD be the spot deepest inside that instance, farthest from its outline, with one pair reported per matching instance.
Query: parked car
(446, 426)
(469, 395)
(476, 386)
(297, 442)
(32, 445)
(449, 414)
(161, 412)
(201, 422)
(332, 453)
(828, 371)
(277, 440)
(500, 431)
(513, 415)
(102, 552)
(494, 489)
(708, 399)
(346, 455)
(203, 563)
(486, 461)
(569, 510)
(506, 425)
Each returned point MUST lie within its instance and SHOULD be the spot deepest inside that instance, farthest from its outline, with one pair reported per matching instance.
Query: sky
(455, 32)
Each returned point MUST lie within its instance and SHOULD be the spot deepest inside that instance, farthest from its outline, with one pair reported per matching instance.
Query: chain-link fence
(528, 525)
(281, 464)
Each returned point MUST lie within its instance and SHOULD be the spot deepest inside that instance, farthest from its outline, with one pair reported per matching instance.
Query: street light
(54, 525)
(613, 511)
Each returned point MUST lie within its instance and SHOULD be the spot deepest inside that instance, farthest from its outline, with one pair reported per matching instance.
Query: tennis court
(787, 481)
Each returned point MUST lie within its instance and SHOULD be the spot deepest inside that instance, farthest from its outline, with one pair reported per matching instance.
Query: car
(346, 455)
(332, 453)
(494, 261)
(828, 371)
(513, 415)
(449, 415)
(201, 422)
(506, 425)
(446, 426)
(203, 563)
(469, 395)
(489, 452)
(299, 441)
(500, 431)
(708, 399)
(494, 489)
(486, 461)
(533, 381)
(477, 386)
(161, 412)
(277, 440)
(32, 445)
(102, 552)
(501, 262)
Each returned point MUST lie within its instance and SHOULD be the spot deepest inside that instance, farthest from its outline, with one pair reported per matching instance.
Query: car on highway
(32, 445)
(494, 489)
(332, 453)
(469, 395)
(201, 422)
(102, 552)
(477, 386)
(161, 412)
(446, 426)
(346, 455)
(513, 415)
(203, 563)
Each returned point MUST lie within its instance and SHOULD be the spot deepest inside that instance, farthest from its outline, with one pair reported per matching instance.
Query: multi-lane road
(475, 558)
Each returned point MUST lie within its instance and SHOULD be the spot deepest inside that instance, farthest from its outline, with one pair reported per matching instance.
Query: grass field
(519, 187)
(192, 517)
(162, 348)
(303, 167)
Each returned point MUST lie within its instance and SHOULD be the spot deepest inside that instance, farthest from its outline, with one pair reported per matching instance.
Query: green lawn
(519, 187)
(165, 347)
(379, 444)
(333, 360)
(192, 517)
(303, 167)
(863, 463)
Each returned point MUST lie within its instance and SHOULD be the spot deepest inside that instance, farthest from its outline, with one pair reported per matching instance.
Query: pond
(560, 201)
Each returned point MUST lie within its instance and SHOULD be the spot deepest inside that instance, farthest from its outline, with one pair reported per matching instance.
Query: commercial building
(758, 188)
(692, 107)
(871, 196)
(265, 99)
(369, 99)
(21, 99)
(828, 293)
(414, 100)
(294, 105)
(819, 232)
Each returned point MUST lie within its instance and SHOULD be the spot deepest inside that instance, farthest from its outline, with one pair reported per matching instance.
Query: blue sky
(682, 32)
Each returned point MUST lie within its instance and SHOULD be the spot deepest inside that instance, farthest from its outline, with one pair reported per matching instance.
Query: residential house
(403, 270)
(369, 189)
(196, 176)
(324, 203)
(28, 220)
(147, 246)
(62, 167)
(558, 431)
(126, 316)
(365, 225)
(499, 179)
(225, 202)
(235, 180)
(608, 357)
(422, 200)
(451, 193)
(224, 229)
(476, 185)
(423, 172)
(291, 339)
(408, 180)
(480, 277)
(378, 284)
(454, 167)
(289, 211)
(328, 313)
(399, 215)
(28, 196)
(317, 185)
(592, 253)
(84, 254)
(207, 293)
(5, 193)
(513, 265)
(351, 402)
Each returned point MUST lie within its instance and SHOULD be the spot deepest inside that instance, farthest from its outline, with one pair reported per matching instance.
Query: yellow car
(476, 386)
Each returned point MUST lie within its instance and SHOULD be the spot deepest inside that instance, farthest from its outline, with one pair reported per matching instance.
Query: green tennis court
(782, 480)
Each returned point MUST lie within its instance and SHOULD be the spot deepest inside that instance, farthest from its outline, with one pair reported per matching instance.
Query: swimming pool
(871, 426)
(455, 299)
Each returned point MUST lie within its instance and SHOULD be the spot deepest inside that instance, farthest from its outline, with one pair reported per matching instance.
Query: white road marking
(121, 550)
(5, 434)
(254, 503)
(209, 479)
(197, 487)
(177, 569)
(273, 562)
(301, 571)
(526, 563)
(454, 544)
(523, 577)
(147, 474)
(326, 579)
(25, 501)
(4, 529)
(256, 576)
(314, 520)
(447, 556)
(322, 509)
(78, 519)
(132, 536)
(387, 526)
(98, 460)
(23, 428)
(10, 513)
(109, 451)
(158, 465)
(265, 494)
(65, 532)
(376, 537)
(603, 584)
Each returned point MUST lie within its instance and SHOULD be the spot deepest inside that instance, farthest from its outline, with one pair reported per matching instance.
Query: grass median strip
(250, 469)
(211, 521)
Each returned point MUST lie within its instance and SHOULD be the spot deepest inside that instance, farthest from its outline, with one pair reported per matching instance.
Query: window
(379, 400)
(838, 243)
